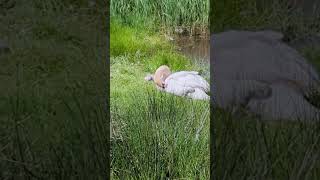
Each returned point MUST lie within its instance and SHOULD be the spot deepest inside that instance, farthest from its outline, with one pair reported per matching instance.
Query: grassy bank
(190, 14)
(154, 135)
(53, 87)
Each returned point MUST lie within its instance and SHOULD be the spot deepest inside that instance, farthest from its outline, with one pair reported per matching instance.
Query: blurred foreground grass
(53, 121)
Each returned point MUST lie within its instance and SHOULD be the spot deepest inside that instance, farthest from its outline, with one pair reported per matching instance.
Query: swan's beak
(149, 77)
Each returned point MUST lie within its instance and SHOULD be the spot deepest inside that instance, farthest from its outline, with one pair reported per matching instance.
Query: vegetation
(261, 14)
(164, 13)
(53, 84)
(53, 121)
(255, 149)
(154, 135)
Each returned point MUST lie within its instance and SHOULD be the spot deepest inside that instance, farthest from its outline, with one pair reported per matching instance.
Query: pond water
(197, 49)
(194, 47)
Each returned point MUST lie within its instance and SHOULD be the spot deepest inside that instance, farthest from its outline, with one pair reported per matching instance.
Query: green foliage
(172, 133)
(260, 14)
(53, 119)
(248, 147)
(140, 46)
(164, 12)
(313, 55)
(125, 40)
(175, 61)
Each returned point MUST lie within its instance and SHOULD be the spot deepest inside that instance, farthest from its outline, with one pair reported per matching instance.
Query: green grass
(254, 149)
(158, 135)
(53, 122)
(313, 55)
(132, 40)
(146, 48)
(154, 135)
(156, 14)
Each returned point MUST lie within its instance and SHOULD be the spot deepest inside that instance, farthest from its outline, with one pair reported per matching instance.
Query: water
(197, 49)
(194, 47)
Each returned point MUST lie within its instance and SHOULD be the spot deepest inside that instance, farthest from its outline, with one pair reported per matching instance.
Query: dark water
(195, 47)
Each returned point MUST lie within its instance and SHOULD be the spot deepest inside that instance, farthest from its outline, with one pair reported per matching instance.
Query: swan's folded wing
(180, 74)
(199, 94)
(174, 87)
(192, 81)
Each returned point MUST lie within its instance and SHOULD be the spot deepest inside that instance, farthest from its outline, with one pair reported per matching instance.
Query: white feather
(187, 83)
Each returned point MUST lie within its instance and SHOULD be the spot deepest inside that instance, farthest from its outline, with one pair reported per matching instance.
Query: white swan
(258, 71)
(186, 84)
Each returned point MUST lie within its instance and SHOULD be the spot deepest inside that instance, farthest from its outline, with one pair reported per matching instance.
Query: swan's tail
(199, 94)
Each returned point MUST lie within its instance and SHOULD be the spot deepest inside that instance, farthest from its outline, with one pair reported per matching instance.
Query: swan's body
(187, 83)
(184, 83)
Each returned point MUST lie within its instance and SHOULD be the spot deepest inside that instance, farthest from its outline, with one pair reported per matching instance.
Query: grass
(154, 135)
(158, 136)
(244, 146)
(146, 48)
(164, 13)
(254, 149)
(53, 121)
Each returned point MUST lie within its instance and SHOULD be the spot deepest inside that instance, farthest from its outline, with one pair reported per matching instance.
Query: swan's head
(149, 77)
(161, 75)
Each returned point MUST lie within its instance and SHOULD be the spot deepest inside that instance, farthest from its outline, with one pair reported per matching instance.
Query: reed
(171, 14)
(53, 118)
(159, 136)
(251, 148)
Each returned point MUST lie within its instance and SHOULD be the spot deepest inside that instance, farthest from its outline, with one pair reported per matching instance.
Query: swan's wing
(269, 34)
(199, 94)
(284, 103)
(181, 74)
(174, 87)
(189, 79)
(194, 81)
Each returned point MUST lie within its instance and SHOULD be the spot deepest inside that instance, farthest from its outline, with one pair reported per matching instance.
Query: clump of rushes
(53, 121)
(172, 133)
(171, 14)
